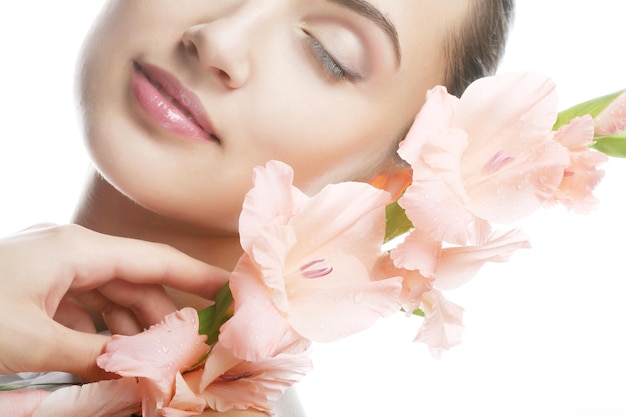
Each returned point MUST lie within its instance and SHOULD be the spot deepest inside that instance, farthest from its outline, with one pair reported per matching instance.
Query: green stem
(213, 317)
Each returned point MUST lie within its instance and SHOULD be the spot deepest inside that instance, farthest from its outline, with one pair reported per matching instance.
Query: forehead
(419, 22)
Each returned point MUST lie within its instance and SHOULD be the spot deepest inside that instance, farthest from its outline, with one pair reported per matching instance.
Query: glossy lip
(169, 104)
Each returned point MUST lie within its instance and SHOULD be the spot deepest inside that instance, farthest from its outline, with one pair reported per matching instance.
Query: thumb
(75, 352)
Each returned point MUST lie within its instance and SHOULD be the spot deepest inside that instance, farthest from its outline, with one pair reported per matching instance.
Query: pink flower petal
(612, 120)
(582, 174)
(218, 363)
(257, 330)
(271, 184)
(156, 356)
(438, 192)
(418, 252)
(349, 213)
(414, 284)
(326, 314)
(522, 188)
(185, 402)
(509, 112)
(255, 385)
(460, 264)
(435, 117)
(443, 323)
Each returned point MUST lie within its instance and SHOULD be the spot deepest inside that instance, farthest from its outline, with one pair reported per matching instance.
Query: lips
(169, 104)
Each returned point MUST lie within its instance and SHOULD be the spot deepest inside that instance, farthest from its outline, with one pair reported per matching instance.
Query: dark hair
(474, 49)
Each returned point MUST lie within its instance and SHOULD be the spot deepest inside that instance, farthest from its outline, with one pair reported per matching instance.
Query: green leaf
(213, 317)
(416, 312)
(592, 107)
(397, 222)
(613, 145)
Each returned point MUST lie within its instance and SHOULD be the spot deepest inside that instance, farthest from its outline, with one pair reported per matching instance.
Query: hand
(121, 276)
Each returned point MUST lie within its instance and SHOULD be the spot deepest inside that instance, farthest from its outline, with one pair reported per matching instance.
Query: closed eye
(330, 64)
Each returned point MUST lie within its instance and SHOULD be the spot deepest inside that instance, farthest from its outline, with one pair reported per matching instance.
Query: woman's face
(180, 100)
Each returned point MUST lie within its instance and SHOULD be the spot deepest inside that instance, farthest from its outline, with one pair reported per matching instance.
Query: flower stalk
(214, 316)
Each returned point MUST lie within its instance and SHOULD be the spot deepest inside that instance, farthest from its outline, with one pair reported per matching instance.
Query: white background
(545, 333)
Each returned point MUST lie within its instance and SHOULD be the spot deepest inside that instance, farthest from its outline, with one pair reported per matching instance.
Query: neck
(104, 209)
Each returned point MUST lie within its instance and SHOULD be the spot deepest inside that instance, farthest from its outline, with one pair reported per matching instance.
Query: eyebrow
(370, 12)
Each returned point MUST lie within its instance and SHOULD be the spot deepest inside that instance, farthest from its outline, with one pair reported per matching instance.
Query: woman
(179, 101)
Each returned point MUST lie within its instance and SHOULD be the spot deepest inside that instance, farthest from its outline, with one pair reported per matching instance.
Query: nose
(223, 46)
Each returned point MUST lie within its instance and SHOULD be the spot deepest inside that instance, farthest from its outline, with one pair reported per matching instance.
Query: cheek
(325, 136)
(326, 152)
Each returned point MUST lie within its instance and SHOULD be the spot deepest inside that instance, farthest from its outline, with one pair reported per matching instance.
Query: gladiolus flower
(489, 156)
(307, 269)
(156, 356)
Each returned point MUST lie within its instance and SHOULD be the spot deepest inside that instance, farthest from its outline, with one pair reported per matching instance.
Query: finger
(67, 350)
(116, 318)
(149, 303)
(120, 320)
(75, 317)
(140, 262)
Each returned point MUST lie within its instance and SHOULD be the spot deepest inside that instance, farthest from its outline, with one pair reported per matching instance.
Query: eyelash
(328, 63)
